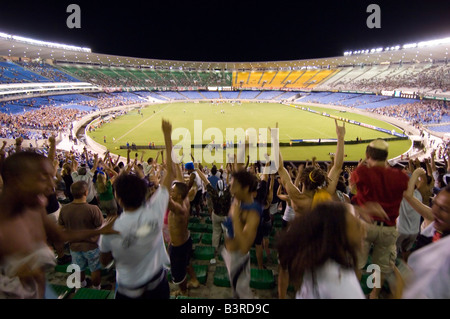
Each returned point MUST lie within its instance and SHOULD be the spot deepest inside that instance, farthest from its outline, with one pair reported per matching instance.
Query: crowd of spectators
(346, 210)
(417, 113)
(433, 78)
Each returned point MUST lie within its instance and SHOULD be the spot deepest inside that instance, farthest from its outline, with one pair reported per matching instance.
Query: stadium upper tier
(423, 78)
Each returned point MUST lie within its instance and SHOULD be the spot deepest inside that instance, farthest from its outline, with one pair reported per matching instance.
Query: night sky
(228, 30)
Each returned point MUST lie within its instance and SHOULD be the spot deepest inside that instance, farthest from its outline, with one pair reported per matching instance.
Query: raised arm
(52, 149)
(19, 141)
(335, 171)
(419, 207)
(280, 195)
(96, 160)
(2, 154)
(300, 169)
(202, 177)
(292, 190)
(167, 130)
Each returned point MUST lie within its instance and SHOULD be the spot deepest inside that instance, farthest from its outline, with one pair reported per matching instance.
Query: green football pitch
(144, 127)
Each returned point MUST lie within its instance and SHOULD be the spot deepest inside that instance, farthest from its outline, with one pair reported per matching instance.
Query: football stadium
(105, 117)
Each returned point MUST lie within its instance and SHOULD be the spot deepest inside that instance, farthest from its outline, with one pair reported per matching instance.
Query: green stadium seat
(197, 227)
(221, 278)
(196, 237)
(204, 252)
(261, 279)
(63, 268)
(208, 228)
(208, 220)
(207, 239)
(61, 291)
(201, 271)
(194, 220)
(253, 258)
(89, 293)
(277, 223)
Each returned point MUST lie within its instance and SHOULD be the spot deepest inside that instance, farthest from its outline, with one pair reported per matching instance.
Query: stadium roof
(422, 52)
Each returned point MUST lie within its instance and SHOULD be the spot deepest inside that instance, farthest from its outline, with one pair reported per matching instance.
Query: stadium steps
(248, 78)
(196, 237)
(279, 95)
(221, 278)
(356, 77)
(183, 95)
(335, 72)
(259, 81)
(298, 78)
(256, 97)
(332, 84)
(286, 78)
(203, 252)
(273, 77)
(206, 239)
(261, 279)
(308, 82)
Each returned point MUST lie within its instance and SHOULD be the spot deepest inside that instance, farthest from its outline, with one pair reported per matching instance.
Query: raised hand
(340, 130)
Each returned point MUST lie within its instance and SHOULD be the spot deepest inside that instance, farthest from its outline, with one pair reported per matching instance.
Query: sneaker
(212, 261)
(66, 259)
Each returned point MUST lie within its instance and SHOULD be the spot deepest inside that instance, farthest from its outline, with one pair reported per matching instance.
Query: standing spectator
(242, 226)
(80, 215)
(84, 174)
(25, 226)
(430, 259)
(408, 222)
(221, 201)
(103, 186)
(139, 252)
(376, 182)
(195, 189)
(66, 175)
(180, 247)
(323, 267)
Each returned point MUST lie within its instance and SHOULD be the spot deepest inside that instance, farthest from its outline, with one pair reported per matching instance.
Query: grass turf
(292, 123)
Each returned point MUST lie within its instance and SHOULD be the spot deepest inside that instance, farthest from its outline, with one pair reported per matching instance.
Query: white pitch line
(141, 123)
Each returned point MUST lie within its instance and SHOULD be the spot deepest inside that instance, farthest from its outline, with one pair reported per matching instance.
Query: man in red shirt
(375, 181)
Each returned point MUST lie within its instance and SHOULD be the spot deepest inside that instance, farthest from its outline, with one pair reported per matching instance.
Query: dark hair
(121, 165)
(313, 178)
(19, 163)
(214, 170)
(246, 179)
(131, 190)
(82, 171)
(376, 154)
(78, 189)
(315, 237)
(182, 189)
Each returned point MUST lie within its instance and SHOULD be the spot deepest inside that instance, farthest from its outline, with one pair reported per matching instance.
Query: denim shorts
(86, 259)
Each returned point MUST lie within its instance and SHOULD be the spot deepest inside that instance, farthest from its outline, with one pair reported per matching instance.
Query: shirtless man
(25, 226)
(180, 247)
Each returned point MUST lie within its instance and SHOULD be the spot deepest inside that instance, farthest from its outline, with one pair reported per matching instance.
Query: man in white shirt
(139, 252)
